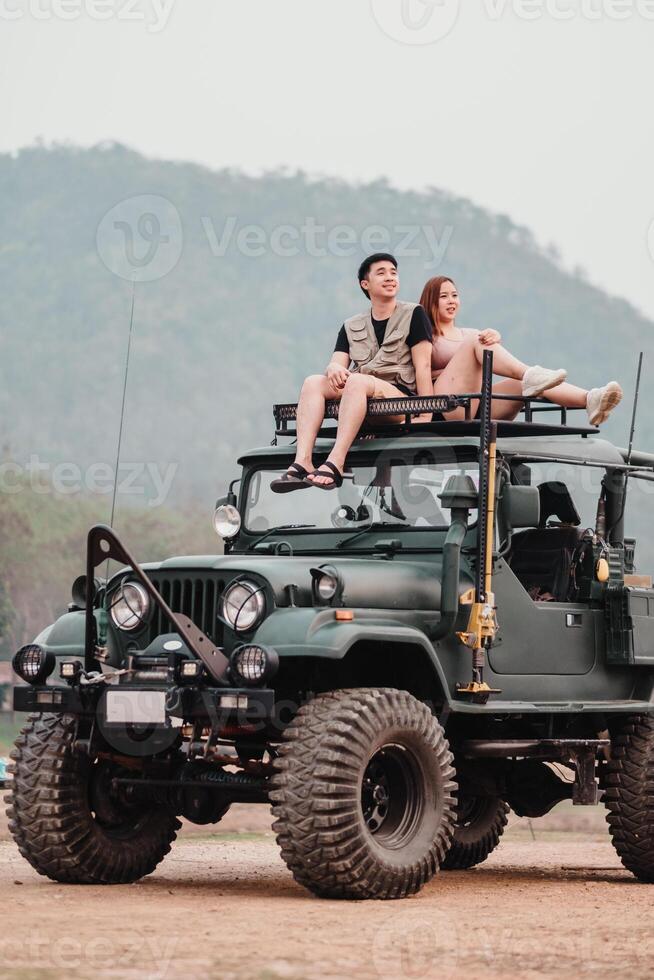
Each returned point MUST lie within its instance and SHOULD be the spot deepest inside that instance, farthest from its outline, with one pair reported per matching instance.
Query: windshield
(393, 491)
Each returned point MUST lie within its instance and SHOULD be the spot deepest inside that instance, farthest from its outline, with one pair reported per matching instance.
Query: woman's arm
(489, 337)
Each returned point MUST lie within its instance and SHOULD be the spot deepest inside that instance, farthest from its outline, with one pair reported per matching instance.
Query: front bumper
(243, 708)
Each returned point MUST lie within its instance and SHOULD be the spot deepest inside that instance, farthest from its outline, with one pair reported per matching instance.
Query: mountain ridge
(225, 333)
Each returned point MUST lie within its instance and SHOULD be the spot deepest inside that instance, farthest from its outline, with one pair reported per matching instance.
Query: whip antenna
(122, 407)
(629, 450)
(633, 414)
(122, 415)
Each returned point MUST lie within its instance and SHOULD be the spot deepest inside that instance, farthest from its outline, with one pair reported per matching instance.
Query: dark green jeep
(456, 632)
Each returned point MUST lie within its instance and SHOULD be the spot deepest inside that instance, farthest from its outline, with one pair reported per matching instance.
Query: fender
(66, 636)
(304, 632)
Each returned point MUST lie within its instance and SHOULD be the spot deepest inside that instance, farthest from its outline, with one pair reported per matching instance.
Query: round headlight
(33, 664)
(253, 664)
(226, 521)
(243, 605)
(327, 583)
(327, 586)
(130, 605)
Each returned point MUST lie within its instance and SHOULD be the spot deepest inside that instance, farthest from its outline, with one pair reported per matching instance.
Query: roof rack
(381, 409)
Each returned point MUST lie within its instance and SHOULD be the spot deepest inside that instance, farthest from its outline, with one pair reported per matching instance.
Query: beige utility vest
(392, 361)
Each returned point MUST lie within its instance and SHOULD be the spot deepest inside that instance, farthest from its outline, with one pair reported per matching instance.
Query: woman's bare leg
(567, 395)
(463, 373)
(503, 408)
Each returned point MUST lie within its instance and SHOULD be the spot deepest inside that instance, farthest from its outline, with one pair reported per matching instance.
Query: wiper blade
(374, 526)
(273, 530)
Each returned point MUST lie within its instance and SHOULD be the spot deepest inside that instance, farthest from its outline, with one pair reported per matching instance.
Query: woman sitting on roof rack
(457, 354)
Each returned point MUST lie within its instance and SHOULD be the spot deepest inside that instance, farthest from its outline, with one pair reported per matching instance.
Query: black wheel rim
(392, 796)
(113, 812)
(470, 810)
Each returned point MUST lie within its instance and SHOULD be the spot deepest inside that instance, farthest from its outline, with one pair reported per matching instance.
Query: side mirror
(229, 500)
(520, 506)
(80, 591)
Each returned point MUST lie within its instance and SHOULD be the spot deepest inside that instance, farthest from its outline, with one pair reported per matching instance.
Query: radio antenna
(629, 450)
(633, 414)
(122, 415)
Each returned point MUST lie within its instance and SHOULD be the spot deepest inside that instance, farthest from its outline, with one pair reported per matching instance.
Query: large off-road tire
(629, 796)
(64, 820)
(363, 794)
(480, 823)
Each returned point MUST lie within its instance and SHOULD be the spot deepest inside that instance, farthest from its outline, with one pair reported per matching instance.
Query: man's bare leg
(316, 390)
(353, 410)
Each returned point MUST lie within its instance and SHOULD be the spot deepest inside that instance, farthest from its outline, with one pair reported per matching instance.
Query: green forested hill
(244, 314)
(222, 336)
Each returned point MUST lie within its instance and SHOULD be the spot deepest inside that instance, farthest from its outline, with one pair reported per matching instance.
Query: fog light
(233, 701)
(190, 669)
(33, 664)
(49, 697)
(253, 664)
(69, 670)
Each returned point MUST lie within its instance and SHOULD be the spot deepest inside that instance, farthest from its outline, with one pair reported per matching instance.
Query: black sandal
(336, 479)
(293, 479)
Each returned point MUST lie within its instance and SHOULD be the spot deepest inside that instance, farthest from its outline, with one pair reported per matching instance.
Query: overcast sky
(541, 109)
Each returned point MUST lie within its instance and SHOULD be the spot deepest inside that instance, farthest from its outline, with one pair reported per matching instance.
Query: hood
(373, 583)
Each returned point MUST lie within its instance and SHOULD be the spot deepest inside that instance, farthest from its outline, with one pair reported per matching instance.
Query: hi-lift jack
(482, 622)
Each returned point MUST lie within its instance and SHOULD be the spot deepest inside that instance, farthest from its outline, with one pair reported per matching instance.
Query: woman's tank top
(443, 350)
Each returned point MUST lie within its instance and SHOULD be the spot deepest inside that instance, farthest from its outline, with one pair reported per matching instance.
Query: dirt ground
(225, 906)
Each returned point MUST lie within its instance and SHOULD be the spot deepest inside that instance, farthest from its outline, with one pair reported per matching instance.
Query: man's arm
(421, 357)
(337, 371)
(420, 342)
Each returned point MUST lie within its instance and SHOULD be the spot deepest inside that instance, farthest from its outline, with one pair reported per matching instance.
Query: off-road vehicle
(455, 632)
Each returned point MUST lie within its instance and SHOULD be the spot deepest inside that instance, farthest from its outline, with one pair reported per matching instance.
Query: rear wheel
(66, 818)
(479, 827)
(363, 794)
(629, 796)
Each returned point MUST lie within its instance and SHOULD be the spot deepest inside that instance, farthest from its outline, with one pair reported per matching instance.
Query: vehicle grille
(195, 596)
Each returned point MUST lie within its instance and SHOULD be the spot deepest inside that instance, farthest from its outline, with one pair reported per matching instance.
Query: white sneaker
(538, 379)
(600, 402)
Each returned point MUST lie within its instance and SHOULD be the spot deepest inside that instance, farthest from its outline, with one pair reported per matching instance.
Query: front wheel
(479, 827)
(66, 819)
(363, 794)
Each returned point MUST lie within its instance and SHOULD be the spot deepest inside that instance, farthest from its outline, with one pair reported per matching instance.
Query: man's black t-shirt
(420, 329)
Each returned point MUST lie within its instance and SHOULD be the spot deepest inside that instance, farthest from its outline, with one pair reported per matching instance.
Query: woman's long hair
(429, 301)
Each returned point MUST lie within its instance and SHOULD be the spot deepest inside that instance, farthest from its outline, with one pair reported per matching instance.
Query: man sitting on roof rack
(383, 353)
